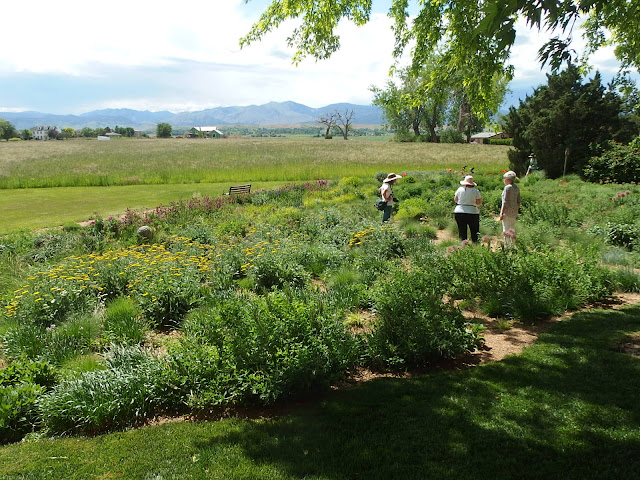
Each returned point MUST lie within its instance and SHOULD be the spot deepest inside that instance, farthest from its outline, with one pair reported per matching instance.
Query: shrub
(501, 141)
(412, 208)
(258, 349)
(21, 383)
(414, 325)
(450, 135)
(617, 164)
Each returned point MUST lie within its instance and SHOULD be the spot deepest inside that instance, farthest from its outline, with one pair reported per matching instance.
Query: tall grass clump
(127, 393)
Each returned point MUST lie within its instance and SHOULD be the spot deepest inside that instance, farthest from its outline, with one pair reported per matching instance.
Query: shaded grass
(566, 408)
(82, 162)
(35, 208)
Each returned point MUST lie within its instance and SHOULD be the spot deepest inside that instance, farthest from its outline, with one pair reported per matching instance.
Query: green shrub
(21, 383)
(414, 326)
(501, 141)
(415, 208)
(18, 414)
(450, 135)
(246, 348)
(617, 164)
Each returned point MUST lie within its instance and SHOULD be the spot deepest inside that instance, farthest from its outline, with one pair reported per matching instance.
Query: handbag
(380, 204)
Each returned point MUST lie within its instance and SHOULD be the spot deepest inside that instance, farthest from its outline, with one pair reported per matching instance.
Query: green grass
(82, 162)
(565, 408)
(35, 208)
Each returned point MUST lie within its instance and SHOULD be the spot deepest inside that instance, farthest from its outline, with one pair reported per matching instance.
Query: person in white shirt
(510, 207)
(467, 215)
(387, 195)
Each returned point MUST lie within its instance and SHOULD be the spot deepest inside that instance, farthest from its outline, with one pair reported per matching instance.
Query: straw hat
(391, 177)
(468, 181)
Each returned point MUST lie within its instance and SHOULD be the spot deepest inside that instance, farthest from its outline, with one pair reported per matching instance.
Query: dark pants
(386, 213)
(471, 220)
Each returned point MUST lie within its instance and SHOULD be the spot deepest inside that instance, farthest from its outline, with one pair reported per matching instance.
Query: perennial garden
(255, 299)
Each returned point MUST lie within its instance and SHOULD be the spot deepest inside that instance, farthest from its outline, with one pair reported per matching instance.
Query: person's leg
(461, 220)
(508, 225)
(474, 226)
(386, 213)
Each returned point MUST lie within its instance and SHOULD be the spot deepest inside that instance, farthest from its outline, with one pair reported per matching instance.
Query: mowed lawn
(35, 208)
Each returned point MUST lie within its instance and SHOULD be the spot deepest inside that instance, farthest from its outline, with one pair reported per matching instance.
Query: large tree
(163, 130)
(476, 35)
(561, 121)
(7, 130)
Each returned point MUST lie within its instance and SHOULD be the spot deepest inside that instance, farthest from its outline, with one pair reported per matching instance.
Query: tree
(7, 130)
(26, 134)
(87, 132)
(408, 107)
(561, 121)
(344, 122)
(163, 130)
(477, 35)
(68, 132)
(329, 121)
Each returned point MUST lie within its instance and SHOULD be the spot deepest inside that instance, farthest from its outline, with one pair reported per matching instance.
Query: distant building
(484, 137)
(42, 133)
(112, 135)
(206, 132)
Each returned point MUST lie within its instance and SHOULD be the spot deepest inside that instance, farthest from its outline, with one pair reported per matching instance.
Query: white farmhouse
(42, 133)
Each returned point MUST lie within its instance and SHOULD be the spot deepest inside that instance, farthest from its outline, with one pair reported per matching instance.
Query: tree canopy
(163, 130)
(474, 35)
(563, 121)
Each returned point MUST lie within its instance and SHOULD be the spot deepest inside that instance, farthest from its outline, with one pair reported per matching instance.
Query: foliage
(414, 326)
(560, 121)
(530, 284)
(7, 130)
(259, 349)
(21, 383)
(163, 130)
(450, 135)
(128, 392)
(123, 323)
(485, 28)
(617, 164)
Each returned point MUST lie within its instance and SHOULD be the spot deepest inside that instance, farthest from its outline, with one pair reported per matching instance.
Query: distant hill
(272, 113)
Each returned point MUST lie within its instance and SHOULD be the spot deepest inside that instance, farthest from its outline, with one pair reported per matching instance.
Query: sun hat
(468, 180)
(510, 174)
(391, 177)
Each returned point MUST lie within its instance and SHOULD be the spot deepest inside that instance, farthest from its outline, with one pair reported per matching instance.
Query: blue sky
(78, 56)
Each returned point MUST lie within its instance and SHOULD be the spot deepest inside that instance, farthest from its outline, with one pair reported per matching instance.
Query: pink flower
(627, 192)
(465, 243)
(619, 194)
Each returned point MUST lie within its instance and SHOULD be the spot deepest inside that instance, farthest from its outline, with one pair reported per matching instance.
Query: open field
(81, 162)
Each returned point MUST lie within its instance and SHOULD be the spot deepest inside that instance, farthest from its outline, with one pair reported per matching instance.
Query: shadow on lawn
(568, 407)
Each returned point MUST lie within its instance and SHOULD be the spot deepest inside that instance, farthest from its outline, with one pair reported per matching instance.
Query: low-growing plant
(127, 393)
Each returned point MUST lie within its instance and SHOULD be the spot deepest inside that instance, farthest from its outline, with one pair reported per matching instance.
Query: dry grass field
(83, 162)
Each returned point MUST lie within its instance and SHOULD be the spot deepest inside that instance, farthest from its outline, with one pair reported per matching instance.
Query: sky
(76, 56)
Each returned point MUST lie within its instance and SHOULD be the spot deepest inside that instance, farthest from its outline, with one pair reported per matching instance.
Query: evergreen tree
(562, 120)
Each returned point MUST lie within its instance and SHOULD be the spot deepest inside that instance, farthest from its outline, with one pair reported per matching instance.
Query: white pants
(507, 224)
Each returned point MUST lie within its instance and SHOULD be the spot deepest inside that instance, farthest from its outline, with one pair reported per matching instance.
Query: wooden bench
(238, 189)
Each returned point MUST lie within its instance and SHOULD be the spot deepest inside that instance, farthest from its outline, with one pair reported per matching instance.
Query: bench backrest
(239, 189)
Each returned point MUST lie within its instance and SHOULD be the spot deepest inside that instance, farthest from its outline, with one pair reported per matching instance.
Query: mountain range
(269, 114)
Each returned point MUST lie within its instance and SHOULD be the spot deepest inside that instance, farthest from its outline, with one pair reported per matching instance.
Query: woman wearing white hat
(510, 207)
(387, 195)
(467, 199)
